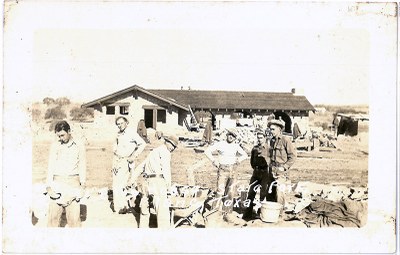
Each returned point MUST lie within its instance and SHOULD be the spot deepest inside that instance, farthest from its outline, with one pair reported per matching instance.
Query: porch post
(155, 118)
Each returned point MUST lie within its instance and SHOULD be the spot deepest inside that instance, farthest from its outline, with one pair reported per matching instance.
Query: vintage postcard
(199, 127)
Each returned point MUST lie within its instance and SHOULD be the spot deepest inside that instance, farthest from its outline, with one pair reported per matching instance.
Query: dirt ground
(347, 166)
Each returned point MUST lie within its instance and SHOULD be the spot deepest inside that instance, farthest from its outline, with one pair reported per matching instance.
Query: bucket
(270, 211)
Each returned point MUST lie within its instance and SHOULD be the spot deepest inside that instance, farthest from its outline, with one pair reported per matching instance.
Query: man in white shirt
(156, 181)
(66, 177)
(127, 147)
(229, 155)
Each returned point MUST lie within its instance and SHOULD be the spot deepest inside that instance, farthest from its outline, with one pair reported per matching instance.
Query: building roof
(130, 90)
(209, 99)
(355, 117)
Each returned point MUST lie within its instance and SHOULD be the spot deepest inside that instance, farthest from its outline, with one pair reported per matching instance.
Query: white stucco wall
(302, 122)
(136, 112)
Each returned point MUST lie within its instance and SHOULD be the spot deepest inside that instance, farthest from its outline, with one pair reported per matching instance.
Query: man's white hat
(279, 123)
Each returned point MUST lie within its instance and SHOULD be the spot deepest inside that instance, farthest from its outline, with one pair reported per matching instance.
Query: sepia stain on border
(8, 4)
(374, 8)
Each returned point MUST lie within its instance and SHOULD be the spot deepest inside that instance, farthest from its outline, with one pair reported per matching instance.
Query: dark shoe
(123, 211)
(247, 217)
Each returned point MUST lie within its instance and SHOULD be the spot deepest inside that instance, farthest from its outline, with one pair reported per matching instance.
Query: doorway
(148, 118)
(286, 119)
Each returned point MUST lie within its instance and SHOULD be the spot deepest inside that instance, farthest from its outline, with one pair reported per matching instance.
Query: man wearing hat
(282, 156)
(155, 182)
(259, 161)
(229, 155)
(128, 146)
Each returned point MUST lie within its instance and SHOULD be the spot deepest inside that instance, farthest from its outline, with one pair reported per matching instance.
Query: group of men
(66, 179)
(271, 158)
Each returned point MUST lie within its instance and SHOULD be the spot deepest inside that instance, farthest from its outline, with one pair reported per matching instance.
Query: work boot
(248, 215)
(123, 211)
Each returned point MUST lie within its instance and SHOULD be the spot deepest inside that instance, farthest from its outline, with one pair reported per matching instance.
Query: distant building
(172, 107)
(349, 123)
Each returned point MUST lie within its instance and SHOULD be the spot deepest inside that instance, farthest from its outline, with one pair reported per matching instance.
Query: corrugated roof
(206, 99)
(209, 99)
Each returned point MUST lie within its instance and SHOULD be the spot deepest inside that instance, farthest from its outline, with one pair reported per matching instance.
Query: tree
(55, 113)
(62, 101)
(81, 114)
(48, 100)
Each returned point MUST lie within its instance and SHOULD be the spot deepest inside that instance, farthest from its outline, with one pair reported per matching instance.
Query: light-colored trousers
(120, 181)
(69, 187)
(157, 189)
(226, 179)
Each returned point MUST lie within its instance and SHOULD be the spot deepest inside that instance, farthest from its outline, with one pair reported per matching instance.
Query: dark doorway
(148, 118)
(213, 121)
(286, 119)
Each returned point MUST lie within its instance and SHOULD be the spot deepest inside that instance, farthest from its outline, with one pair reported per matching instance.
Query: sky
(83, 51)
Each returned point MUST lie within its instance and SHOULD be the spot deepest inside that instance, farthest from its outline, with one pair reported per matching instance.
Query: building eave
(100, 100)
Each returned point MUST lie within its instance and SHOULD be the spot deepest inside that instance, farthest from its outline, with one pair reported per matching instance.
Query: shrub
(55, 113)
(62, 101)
(48, 100)
(322, 124)
(81, 114)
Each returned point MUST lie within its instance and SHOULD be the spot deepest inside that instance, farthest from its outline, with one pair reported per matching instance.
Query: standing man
(259, 161)
(156, 182)
(229, 155)
(283, 155)
(335, 124)
(142, 131)
(207, 134)
(127, 147)
(66, 177)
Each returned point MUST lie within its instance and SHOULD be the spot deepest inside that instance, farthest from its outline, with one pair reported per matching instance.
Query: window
(161, 116)
(110, 110)
(124, 110)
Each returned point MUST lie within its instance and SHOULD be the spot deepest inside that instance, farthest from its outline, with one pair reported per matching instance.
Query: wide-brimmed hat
(231, 131)
(279, 123)
(172, 140)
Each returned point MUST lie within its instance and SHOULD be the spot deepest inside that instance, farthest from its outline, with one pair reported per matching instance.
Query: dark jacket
(259, 158)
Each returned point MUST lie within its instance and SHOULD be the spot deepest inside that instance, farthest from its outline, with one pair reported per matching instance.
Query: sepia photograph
(199, 127)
